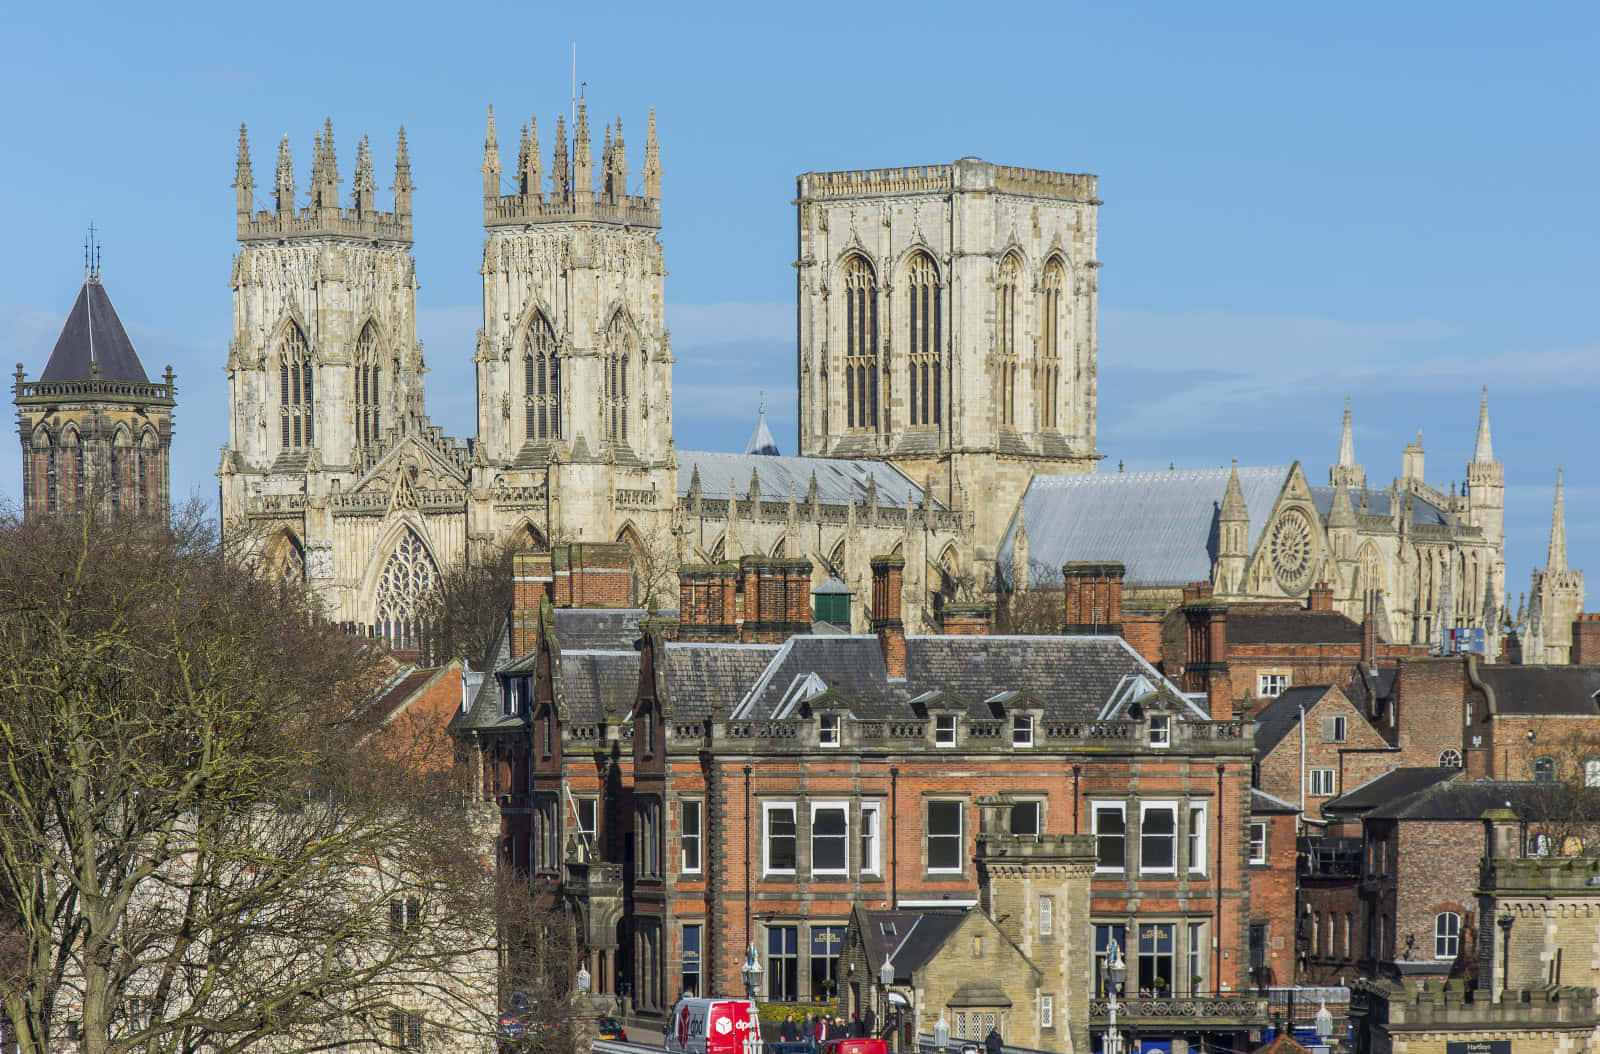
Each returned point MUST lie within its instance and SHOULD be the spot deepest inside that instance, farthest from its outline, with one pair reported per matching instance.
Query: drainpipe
(1216, 944)
(749, 860)
(894, 836)
(1077, 770)
(1302, 818)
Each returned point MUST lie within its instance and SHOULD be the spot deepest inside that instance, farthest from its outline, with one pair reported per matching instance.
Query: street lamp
(1116, 972)
(1324, 1027)
(941, 1033)
(751, 972)
(885, 981)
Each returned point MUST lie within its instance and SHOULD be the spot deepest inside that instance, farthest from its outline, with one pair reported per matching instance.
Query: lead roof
(93, 334)
(839, 480)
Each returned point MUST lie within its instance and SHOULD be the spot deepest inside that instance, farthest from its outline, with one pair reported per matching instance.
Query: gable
(407, 467)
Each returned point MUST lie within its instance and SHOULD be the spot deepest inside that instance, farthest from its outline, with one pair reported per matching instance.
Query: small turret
(617, 171)
(283, 182)
(561, 170)
(491, 161)
(652, 161)
(402, 178)
(1411, 461)
(244, 183)
(363, 186)
(1556, 556)
(582, 156)
(1483, 452)
(531, 177)
(1346, 473)
(1233, 537)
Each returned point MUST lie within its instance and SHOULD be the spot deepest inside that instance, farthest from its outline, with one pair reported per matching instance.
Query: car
(611, 1028)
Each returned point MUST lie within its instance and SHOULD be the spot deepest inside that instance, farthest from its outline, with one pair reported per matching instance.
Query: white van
(713, 1026)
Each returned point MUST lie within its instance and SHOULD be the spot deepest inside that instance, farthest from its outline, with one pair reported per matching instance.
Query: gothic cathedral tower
(96, 432)
(574, 363)
(947, 325)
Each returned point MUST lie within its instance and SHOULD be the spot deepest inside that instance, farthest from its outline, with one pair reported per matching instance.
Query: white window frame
(961, 834)
(1022, 730)
(767, 809)
(939, 721)
(698, 838)
(1121, 809)
(1197, 838)
(1038, 816)
(1269, 680)
(1336, 729)
(1451, 940)
(1046, 916)
(1145, 809)
(874, 831)
(829, 729)
(1316, 779)
(1161, 731)
(1255, 843)
(1047, 1011)
(842, 807)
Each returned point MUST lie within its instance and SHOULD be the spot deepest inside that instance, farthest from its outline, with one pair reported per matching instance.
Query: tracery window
(295, 391)
(69, 470)
(861, 344)
(925, 359)
(43, 472)
(292, 570)
(407, 579)
(145, 475)
(1005, 315)
(619, 348)
(368, 381)
(1052, 290)
(542, 382)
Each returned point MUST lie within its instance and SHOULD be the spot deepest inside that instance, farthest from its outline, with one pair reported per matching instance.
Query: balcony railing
(1193, 1011)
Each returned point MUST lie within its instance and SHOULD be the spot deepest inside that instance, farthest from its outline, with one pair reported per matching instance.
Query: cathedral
(946, 373)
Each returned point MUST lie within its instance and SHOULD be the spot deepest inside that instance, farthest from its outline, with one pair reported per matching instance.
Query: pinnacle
(1483, 452)
(1556, 559)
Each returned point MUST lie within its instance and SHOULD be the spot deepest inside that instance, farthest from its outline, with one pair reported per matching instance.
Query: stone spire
(402, 176)
(491, 161)
(561, 172)
(1483, 453)
(325, 171)
(652, 161)
(605, 165)
(1233, 537)
(533, 174)
(1346, 473)
(363, 185)
(283, 183)
(244, 183)
(619, 166)
(1556, 560)
(582, 155)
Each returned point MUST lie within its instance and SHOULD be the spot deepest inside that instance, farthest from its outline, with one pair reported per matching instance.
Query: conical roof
(93, 334)
(761, 441)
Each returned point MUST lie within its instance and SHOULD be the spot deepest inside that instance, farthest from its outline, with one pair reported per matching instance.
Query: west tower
(947, 320)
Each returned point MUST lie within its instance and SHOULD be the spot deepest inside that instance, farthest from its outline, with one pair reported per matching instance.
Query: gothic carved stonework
(1290, 548)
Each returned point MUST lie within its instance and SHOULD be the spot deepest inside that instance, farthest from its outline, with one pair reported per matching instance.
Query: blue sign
(1470, 640)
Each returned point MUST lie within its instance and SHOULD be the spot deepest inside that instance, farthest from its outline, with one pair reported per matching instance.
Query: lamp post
(1324, 1026)
(941, 1033)
(751, 972)
(1116, 972)
(885, 980)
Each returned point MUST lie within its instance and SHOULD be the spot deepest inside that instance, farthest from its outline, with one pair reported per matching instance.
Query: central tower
(947, 325)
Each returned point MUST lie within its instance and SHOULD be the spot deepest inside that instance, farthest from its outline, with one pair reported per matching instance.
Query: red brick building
(1271, 859)
(1312, 742)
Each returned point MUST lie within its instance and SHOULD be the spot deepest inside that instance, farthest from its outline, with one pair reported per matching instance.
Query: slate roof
(1542, 689)
(1246, 627)
(1392, 786)
(483, 712)
(761, 441)
(704, 680)
(1162, 526)
(1279, 717)
(910, 937)
(93, 334)
(596, 686)
(1470, 799)
(1262, 803)
(839, 480)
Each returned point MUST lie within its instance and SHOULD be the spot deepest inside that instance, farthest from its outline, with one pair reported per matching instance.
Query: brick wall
(1362, 755)
(1431, 697)
(1272, 897)
(1436, 870)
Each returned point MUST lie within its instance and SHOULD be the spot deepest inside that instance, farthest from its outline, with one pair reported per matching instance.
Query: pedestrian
(868, 1023)
(787, 1031)
(992, 1043)
(808, 1030)
(857, 1029)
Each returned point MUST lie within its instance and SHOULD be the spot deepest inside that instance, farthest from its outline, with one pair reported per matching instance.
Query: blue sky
(1392, 200)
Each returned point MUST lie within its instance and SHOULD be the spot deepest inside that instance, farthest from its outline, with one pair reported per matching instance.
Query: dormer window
(1022, 730)
(828, 730)
(1160, 730)
(944, 730)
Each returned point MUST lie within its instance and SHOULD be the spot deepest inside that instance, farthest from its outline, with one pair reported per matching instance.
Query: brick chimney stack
(593, 575)
(1320, 598)
(966, 620)
(706, 602)
(888, 573)
(1093, 597)
(532, 581)
(1369, 640)
(1206, 666)
(1586, 639)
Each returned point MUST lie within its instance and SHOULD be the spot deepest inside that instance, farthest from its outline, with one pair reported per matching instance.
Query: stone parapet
(1511, 876)
(1450, 1006)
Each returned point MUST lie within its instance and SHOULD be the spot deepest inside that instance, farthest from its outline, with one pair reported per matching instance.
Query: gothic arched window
(41, 472)
(925, 359)
(146, 476)
(1005, 316)
(408, 577)
(291, 561)
(1450, 759)
(619, 359)
(295, 390)
(1369, 574)
(860, 343)
(1052, 290)
(69, 470)
(369, 381)
(542, 382)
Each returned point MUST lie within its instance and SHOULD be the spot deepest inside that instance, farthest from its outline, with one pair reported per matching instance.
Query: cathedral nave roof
(839, 480)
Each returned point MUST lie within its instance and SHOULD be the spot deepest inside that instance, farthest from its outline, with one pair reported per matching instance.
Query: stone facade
(947, 320)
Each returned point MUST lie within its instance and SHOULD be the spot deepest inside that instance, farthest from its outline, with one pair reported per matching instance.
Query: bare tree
(202, 846)
(467, 608)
